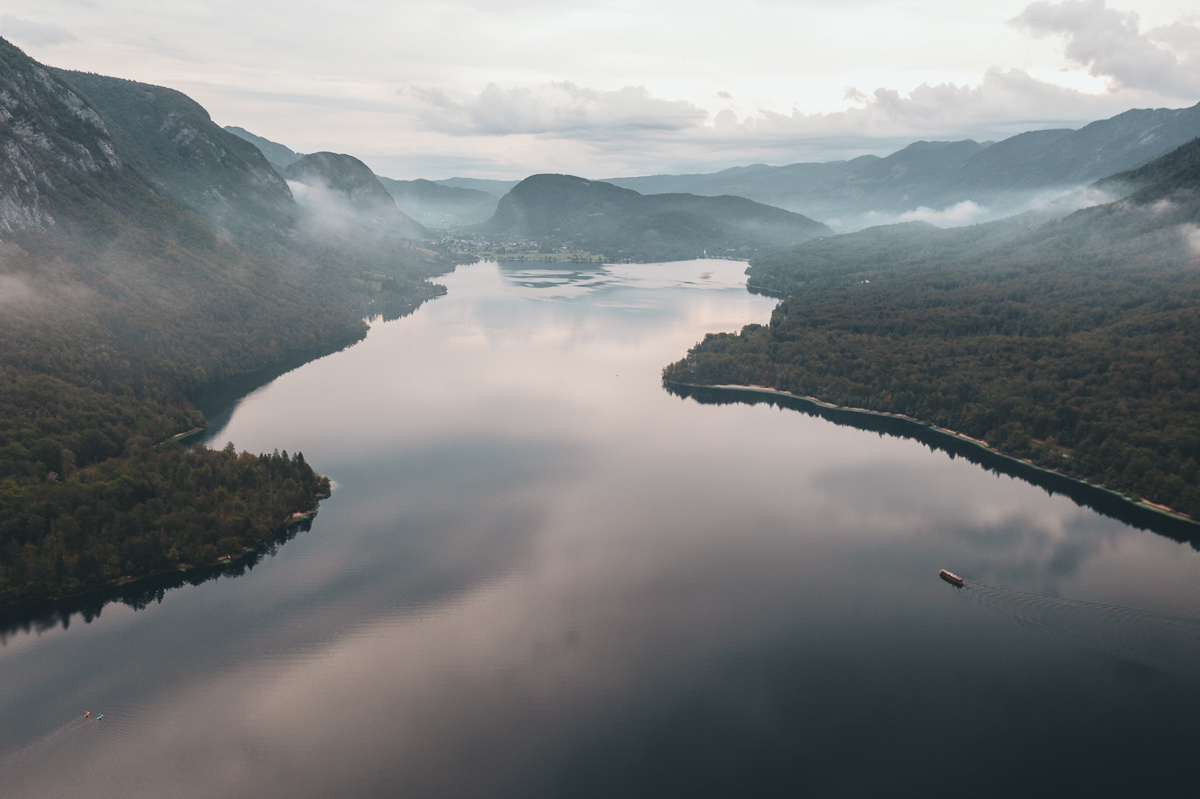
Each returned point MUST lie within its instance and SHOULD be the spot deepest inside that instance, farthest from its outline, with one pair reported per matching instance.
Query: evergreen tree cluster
(149, 511)
(1074, 344)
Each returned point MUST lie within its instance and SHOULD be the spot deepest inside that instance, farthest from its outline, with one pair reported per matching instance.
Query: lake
(541, 574)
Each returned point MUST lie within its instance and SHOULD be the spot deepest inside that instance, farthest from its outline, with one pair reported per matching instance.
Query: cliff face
(51, 138)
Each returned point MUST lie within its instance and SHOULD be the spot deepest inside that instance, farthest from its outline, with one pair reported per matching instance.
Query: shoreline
(228, 559)
(1144, 505)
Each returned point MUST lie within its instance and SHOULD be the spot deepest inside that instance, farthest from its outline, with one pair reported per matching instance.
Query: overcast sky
(506, 88)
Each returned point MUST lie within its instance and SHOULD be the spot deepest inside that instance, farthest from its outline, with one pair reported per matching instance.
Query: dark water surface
(541, 574)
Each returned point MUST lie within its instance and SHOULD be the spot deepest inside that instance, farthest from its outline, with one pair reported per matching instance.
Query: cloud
(14, 291)
(962, 213)
(1191, 236)
(563, 109)
(1110, 44)
(34, 34)
(1003, 103)
(564, 126)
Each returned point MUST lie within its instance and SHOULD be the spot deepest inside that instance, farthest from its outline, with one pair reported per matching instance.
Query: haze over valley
(533, 400)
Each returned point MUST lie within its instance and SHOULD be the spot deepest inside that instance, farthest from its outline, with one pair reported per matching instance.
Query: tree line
(1074, 344)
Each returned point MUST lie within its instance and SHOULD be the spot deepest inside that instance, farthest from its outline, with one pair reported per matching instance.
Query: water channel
(542, 574)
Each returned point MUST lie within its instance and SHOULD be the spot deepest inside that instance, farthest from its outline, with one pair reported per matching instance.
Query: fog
(1046, 204)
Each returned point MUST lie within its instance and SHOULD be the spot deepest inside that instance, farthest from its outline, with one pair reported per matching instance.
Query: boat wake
(1156, 640)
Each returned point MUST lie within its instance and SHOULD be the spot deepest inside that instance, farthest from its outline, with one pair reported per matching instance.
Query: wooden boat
(951, 578)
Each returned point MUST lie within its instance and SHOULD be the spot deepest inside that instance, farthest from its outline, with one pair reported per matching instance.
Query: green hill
(568, 211)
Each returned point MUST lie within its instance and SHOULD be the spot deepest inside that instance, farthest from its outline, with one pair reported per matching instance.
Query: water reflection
(1100, 500)
(136, 595)
(542, 575)
(550, 281)
(1158, 641)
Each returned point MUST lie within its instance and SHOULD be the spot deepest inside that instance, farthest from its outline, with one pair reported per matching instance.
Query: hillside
(1073, 344)
(567, 211)
(426, 201)
(1178, 171)
(1001, 178)
(171, 141)
(496, 188)
(118, 300)
(280, 156)
(440, 205)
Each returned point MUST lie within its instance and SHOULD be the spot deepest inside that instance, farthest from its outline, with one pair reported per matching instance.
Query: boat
(951, 578)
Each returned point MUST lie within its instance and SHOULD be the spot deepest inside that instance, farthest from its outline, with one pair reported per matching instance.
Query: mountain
(171, 141)
(1064, 158)
(128, 283)
(439, 204)
(496, 188)
(281, 157)
(1174, 176)
(343, 193)
(1000, 178)
(52, 139)
(568, 211)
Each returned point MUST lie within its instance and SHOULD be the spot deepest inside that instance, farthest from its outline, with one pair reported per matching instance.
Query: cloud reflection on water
(543, 575)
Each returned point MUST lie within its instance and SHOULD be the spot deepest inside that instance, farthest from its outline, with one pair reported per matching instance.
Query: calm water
(540, 574)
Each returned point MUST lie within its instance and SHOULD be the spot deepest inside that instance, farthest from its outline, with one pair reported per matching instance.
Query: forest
(564, 211)
(1073, 344)
(101, 353)
(146, 512)
(121, 298)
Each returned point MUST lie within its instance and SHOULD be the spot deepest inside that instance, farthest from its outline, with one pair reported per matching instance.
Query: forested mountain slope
(563, 210)
(1074, 344)
(937, 175)
(116, 301)
(171, 141)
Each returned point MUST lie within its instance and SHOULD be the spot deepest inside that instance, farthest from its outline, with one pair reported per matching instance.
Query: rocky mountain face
(171, 141)
(343, 191)
(52, 141)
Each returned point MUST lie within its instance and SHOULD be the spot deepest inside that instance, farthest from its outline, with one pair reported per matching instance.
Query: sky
(507, 88)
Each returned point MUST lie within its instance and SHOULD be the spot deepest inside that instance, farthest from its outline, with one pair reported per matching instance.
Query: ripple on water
(1157, 640)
